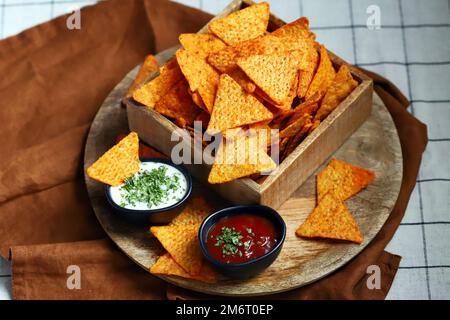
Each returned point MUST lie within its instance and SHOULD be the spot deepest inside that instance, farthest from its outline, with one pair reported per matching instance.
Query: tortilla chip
(149, 66)
(165, 265)
(200, 76)
(273, 74)
(151, 92)
(342, 179)
(201, 45)
(182, 244)
(306, 75)
(195, 211)
(118, 163)
(242, 25)
(145, 151)
(324, 76)
(301, 110)
(342, 86)
(331, 219)
(197, 99)
(292, 129)
(239, 158)
(243, 80)
(314, 126)
(297, 138)
(234, 107)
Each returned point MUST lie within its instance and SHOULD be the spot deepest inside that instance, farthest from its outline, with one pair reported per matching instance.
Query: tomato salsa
(241, 238)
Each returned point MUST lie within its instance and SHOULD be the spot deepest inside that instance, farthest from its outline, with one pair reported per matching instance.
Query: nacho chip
(118, 163)
(243, 80)
(297, 138)
(331, 219)
(342, 179)
(242, 25)
(196, 210)
(273, 74)
(293, 128)
(152, 91)
(178, 104)
(324, 76)
(165, 265)
(182, 244)
(301, 110)
(234, 107)
(200, 76)
(239, 158)
(341, 87)
(197, 99)
(145, 151)
(149, 66)
(314, 126)
(201, 45)
(306, 75)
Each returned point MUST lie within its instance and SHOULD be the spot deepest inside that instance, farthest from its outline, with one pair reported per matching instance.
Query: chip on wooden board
(323, 77)
(341, 87)
(331, 219)
(195, 211)
(237, 158)
(242, 25)
(181, 242)
(151, 92)
(200, 76)
(201, 44)
(342, 179)
(235, 107)
(149, 66)
(118, 163)
(166, 265)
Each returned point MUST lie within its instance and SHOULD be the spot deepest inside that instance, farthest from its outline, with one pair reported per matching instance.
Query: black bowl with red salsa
(242, 241)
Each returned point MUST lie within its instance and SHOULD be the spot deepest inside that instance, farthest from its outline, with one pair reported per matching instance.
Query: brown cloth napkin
(53, 82)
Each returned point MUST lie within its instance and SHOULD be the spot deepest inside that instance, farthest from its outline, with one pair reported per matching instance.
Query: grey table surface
(407, 41)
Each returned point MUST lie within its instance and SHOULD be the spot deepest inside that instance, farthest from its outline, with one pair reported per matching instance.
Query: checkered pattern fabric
(412, 49)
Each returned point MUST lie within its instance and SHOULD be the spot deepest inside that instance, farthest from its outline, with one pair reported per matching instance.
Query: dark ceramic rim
(280, 226)
(186, 196)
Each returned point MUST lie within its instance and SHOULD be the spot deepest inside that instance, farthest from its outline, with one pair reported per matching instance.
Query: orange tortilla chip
(331, 219)
(274, 74)
(151, 92)
(306, 75)
(118, 163)
(237, 158)
(342, 86)
(292, 129)
(342, 179)
(196, 210)
(200, 76)
(182, 244)
(234, 107)
(297, 138)
(242, 25)
(166, 265)
(201, 45)
(178, 104)
(240, 77)
(324, 76)
(149, 66)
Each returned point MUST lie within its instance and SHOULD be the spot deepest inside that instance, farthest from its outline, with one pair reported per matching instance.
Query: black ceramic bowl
(250, 268)
(153, 216)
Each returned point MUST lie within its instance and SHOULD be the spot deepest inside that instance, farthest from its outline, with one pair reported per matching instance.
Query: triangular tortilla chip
(305, 76)
(201, 44)
(165, 265)
(341, 87)
(273, 74)
(178, 104)
(331, 219)
(151, 92)
(324, 76)
(118, 163)
(237, 158)
(195, 211)
(242, 25)
(342, 179)
(149, 66)
(200, 76)
(182, 244)
(234, 107)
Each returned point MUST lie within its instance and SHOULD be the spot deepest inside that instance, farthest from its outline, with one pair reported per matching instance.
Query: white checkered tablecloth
(412, 49)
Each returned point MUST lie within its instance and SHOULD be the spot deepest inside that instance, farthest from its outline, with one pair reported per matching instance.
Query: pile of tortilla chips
(242, 75)
(180, 239)
(331, 217)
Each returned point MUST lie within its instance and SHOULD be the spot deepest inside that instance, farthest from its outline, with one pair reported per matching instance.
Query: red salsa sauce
(241, 238)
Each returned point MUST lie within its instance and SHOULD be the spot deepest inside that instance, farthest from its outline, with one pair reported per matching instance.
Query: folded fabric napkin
(54, 81)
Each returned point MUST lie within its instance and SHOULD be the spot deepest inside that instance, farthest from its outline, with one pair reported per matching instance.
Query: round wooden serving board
(375, 145)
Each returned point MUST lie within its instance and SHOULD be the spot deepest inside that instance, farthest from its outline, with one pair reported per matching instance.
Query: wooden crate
(156, 130)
